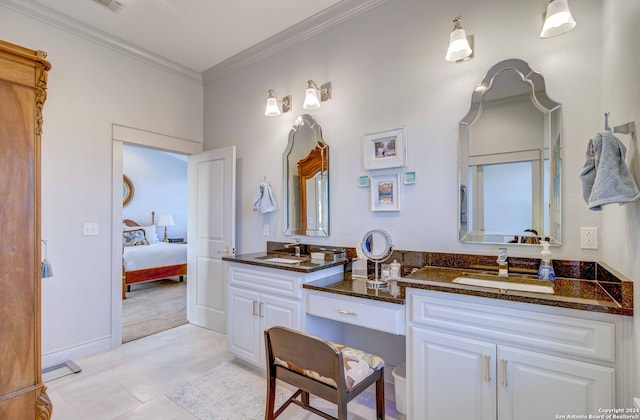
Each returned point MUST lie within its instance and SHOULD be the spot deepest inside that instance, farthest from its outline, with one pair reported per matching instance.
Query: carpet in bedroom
(152, 307)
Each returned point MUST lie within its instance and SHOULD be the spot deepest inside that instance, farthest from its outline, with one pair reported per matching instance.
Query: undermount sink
(283, 260)
(506, 283)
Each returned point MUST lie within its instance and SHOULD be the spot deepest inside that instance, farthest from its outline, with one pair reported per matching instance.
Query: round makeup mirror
(376, 246)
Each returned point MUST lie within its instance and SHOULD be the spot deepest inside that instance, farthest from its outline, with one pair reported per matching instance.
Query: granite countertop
(305, 265)
(614, 297)
(357, 287)
(587, 295)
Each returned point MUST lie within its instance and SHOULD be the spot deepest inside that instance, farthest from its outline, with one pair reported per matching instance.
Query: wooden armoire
(23, 90)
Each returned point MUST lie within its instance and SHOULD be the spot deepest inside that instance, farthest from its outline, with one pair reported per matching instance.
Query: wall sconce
(272, 104)
(311, 100)
(558, 19)
(459, 48)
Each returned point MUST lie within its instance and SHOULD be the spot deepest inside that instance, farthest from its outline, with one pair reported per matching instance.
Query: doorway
(156, 192)
(122, 135)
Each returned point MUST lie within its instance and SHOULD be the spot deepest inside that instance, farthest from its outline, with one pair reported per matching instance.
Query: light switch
(89, 229)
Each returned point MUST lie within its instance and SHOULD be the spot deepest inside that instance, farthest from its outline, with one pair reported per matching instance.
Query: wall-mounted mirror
(509, 159)
(306, 180)
(127, 191)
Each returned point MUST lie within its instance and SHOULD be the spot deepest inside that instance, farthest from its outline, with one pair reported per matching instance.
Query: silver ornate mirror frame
(306, 180)
(543, 161)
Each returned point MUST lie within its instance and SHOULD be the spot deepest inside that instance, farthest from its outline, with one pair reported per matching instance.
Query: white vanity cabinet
(479, 358)
(259, 298)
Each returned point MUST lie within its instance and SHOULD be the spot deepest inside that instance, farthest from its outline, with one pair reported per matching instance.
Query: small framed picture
(385, 192)
(386, 149)
(363, 181)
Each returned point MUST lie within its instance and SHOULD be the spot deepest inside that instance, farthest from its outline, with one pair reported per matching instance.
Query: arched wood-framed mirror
(310, 171)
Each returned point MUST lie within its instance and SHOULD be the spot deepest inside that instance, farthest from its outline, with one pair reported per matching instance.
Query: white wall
(387, 69)
(90, 87)
(621, 97)
(160, 184)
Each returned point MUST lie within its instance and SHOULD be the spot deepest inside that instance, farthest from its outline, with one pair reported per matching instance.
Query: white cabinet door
(279, 311)
(243, 331)
(276, 311)
(452, 377)
(535, 386)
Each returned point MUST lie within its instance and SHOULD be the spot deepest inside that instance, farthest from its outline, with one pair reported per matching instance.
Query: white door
(538, 386)
(453, 377)
(211, 234)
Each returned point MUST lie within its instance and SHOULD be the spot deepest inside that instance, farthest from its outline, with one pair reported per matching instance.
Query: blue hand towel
(264, 201)
(605, 176)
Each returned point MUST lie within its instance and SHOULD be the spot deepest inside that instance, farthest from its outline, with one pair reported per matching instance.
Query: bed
(146, 258)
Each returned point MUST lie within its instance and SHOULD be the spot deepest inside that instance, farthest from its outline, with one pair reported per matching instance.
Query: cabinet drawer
(566, 334)
(265, 280)
(381, 316)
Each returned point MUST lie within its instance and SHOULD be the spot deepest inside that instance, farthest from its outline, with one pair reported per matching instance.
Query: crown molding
(334, 15)
(58, 20)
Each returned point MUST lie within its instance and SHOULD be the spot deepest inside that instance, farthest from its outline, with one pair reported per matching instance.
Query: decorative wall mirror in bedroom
(509, 159)
(306, 180)
(127, 191)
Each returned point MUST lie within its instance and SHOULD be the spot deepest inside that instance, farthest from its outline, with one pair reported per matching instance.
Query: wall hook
(628, 128)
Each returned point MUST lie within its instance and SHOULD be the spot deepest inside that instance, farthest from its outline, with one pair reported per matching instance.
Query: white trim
(77, 351)
(49, 16)
(123, 134)
(155, 140)
(334, 15)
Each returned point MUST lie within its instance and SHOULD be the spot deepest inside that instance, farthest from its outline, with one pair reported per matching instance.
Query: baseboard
(76, 352)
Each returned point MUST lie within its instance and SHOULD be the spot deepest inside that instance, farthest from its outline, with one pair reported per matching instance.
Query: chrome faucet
(295, 246)
(503, 264)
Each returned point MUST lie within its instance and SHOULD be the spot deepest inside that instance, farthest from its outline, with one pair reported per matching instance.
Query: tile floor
(133, 380)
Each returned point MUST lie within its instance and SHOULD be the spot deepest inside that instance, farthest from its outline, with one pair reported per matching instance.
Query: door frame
(121, 134)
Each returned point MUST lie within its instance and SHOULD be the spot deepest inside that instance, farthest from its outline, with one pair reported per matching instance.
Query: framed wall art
(386, 149)
(385, 192)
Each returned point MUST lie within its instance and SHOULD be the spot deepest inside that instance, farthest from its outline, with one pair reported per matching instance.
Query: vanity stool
(333, 372)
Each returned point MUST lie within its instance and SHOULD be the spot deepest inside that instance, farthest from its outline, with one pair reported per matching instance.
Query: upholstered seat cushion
(358, 365)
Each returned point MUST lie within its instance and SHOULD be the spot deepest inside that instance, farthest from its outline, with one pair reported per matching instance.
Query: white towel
(605, 176)
(264, 202)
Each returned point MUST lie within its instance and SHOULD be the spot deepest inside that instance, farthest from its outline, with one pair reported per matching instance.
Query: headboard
(132, 223)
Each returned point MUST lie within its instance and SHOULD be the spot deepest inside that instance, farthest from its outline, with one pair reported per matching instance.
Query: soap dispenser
(546, 271)
(395, 269)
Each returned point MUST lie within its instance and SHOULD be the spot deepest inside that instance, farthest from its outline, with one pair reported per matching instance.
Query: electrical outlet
(89, 229)
(589, 237)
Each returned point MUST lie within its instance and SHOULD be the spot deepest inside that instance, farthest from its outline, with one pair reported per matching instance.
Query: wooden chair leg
(304, 397)
(271, 398)
(342, 409)
(380, 398)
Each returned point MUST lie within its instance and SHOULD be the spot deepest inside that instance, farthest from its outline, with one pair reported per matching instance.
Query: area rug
(152, 307)
(227, 392)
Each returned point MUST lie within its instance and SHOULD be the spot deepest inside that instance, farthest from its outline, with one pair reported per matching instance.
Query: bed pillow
(149, 232)
(134, 237)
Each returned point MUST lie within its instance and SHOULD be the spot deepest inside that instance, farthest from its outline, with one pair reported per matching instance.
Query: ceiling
(195, 34)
